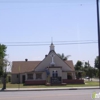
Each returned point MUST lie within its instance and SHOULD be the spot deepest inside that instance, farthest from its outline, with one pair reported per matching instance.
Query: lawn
(87, 83)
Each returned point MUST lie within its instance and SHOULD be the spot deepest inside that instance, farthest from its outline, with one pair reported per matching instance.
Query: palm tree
(63, 57)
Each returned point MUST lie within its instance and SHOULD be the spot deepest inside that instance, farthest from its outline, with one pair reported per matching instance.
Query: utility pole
(98, 27)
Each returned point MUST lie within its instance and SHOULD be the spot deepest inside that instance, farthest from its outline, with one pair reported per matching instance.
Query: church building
(52, 69)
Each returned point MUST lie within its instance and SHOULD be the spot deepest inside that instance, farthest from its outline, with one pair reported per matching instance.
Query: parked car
(87, 77)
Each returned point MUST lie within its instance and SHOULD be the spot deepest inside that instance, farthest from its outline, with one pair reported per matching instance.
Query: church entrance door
(55, 79)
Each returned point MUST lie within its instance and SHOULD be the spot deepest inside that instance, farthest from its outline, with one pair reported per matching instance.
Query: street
(49, 95)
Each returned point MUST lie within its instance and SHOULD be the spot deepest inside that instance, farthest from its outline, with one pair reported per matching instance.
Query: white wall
(14, 79)
(64, 75)
(44, 76)
(57, 69)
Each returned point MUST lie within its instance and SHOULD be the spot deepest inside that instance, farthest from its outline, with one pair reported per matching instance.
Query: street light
(98, 27)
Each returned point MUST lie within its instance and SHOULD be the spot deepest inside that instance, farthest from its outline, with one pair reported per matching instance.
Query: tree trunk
(4, 82)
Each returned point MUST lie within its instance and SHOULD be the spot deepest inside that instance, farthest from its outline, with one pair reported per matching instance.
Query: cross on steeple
(51, 40)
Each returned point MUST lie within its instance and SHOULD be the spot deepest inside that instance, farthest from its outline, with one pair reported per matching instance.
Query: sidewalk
(50, 89)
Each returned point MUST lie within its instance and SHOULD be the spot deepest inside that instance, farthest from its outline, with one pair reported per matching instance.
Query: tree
(97, 73)
(2, 56)
(79, 66)
(1, 68)
(63, 57)
(96, 62)
(83, 74)
(86, 68)
(90, 72)
(3, 63)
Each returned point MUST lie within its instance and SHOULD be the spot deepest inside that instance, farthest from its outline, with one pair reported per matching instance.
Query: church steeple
(52, 47)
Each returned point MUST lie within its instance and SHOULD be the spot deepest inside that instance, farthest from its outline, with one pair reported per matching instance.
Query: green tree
(96, 62)
(2, 57)
(79, 65)
(94, 72)
(86, 68)
(79, 69)
(83, 74)
(1, 68)
(90, 72)
(97, 73)
(63, 57)
(3, 63)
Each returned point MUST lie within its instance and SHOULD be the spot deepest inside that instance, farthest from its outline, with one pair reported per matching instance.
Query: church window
(38, 75)
(29, 76)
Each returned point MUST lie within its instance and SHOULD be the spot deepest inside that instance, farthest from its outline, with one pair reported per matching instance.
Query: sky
(39, 20)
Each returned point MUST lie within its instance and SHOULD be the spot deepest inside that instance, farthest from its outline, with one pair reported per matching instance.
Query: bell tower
(52, 47)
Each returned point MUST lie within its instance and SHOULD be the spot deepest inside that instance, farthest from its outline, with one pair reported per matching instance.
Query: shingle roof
(24, 66)
(70, 63)
(30, 66)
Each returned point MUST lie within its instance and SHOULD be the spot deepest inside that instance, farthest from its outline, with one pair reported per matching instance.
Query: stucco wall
(14, 79)
(34, 76)
(44, 76)
(64, 75)
(57, 69)
(21, 77)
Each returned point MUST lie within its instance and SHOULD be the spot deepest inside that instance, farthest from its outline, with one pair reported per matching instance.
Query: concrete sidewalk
(50, 89)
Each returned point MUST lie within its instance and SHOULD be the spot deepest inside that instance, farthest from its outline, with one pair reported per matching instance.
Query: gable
(58, 62)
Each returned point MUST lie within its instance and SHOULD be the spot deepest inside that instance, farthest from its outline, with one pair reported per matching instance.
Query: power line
(55, 44)
(54, 41)
(42, 1)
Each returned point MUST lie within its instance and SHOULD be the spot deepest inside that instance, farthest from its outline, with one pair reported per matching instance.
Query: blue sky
(38, 21)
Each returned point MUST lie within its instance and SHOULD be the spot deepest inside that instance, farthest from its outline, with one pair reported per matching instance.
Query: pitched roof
(30, 66)
(24, 66)
(70, 63)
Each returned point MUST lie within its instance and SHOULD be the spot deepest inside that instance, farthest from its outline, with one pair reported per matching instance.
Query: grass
(87, 83)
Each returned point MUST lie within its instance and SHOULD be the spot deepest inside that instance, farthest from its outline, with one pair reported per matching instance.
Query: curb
(47, 89)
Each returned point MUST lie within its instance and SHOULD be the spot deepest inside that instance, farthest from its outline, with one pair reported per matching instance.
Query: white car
(87, 77)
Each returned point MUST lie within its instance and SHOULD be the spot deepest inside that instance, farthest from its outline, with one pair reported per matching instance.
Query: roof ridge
(27, 61)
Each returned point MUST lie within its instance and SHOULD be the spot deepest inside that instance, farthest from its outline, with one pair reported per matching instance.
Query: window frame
(39, 76)
(28, 77)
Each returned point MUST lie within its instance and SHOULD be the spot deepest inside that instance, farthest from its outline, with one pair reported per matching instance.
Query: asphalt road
(49, 95)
